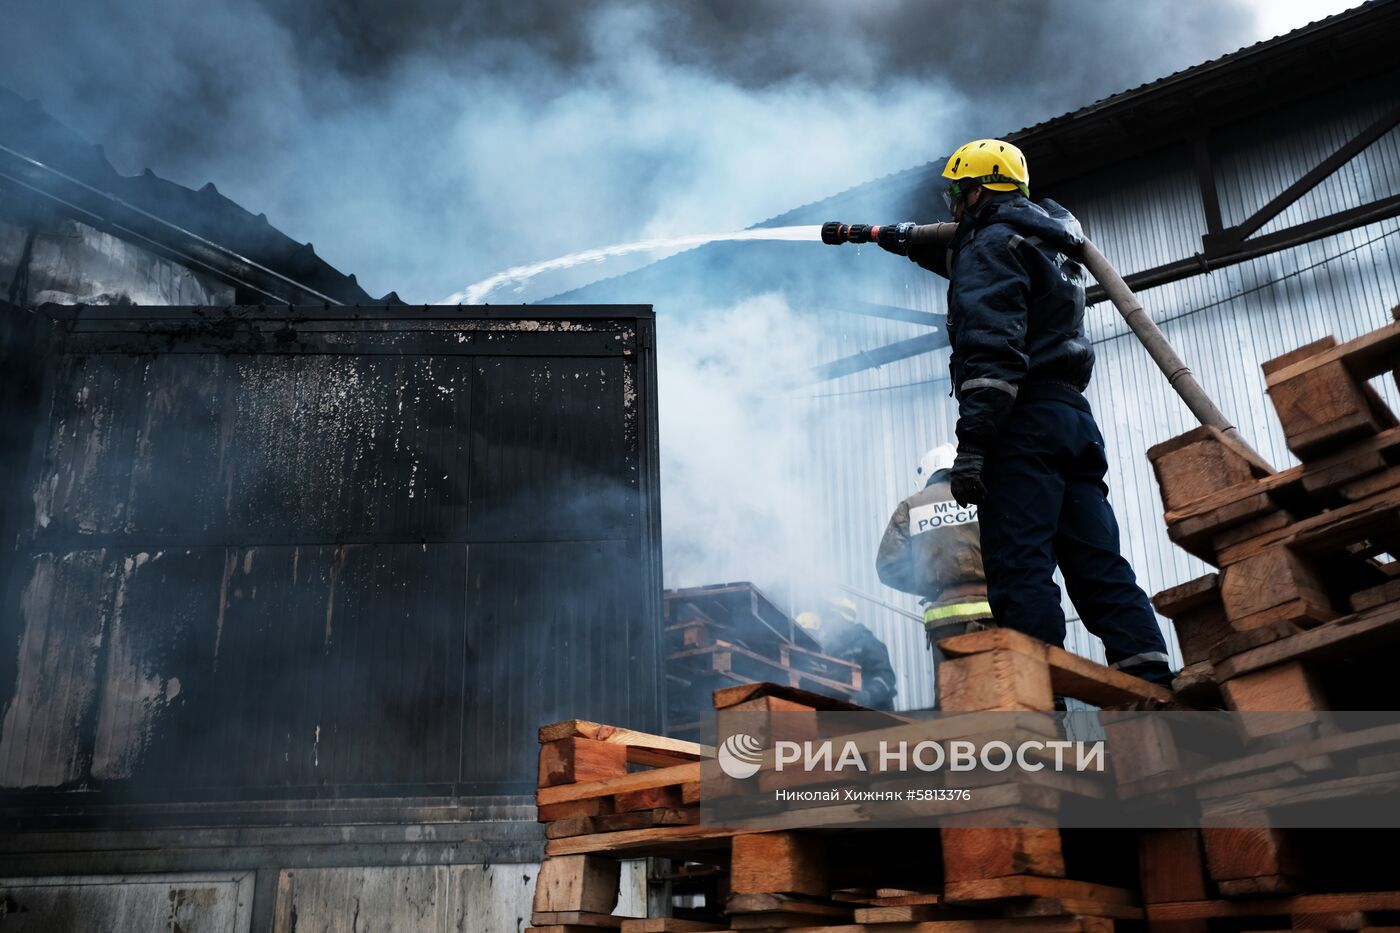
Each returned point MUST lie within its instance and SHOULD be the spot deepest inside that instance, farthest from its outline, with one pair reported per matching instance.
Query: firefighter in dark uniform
(932, 548)
(1030, 455)
(835, 628)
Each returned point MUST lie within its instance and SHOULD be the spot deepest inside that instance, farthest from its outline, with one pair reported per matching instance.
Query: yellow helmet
(992, 163)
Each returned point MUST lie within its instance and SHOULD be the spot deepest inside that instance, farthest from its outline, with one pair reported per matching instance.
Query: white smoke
(734, 436)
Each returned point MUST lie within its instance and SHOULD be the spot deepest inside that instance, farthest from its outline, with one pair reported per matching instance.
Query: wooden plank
(994, 680)
(668, 925)
(992, 639)
(1328, 920)
(1062, 907)
(1198, 616)
(638, 839)
(781, 903)
(1141, 746)
(1288, 687)
(574, 760)
(912, 913)
(594, 806)
(732, 696)
(586, 883)
(1275, 906)
(1329, 531)
(988, 925)
(1350, 742)
(1254, 859)
(1368, 355)
(647, 798)
(973, 851)
(1323, 407)
(1185, 597)
(904, 899)
(1306, 351)
(642, 748)
(641, 780)
(777, 920)
(575, 918)
(661, 816)
(1381, 787)
(1196, 686)
(1387, 592)
(770, 668)
(1272, 520)
(1069, 674)
(1347, 634)
(997, 889)
(1236, 642)
(1082, 679)
(618, 822)
(1269, 579)
(1171, 865)
(1302, 476)
(1195, 465)
(570, 826)
(781, 862)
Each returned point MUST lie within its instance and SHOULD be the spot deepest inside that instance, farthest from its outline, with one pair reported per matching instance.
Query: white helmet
(940, 458)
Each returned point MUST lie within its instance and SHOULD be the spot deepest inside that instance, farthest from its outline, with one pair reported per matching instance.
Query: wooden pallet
(722, 657)
(1305, 584)
(719, 636)
(964, 875)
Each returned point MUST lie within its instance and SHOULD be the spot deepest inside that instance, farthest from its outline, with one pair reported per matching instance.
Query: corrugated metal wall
(869, 429)
(346, 552)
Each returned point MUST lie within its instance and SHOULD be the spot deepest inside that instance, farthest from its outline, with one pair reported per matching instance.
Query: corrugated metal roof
(27, 129)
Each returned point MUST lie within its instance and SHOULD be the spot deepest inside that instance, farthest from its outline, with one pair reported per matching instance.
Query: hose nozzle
(835, 233)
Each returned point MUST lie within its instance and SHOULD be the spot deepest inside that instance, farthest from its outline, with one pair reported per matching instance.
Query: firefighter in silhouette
(835, 628)
(932, 548)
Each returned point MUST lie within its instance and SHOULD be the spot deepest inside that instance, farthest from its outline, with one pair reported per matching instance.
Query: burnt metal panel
(346, 553)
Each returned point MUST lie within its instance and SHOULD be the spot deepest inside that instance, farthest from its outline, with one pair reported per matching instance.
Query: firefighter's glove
(894, 238)
(966, 478)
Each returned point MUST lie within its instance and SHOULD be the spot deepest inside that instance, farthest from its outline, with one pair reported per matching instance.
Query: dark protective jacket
(933, 548)
(851, 641)
(1015, 309)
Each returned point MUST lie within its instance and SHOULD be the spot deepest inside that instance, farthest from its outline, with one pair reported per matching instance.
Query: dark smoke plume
(426, 144)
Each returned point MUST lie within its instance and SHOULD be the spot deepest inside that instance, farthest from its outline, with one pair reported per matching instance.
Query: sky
(427, 144)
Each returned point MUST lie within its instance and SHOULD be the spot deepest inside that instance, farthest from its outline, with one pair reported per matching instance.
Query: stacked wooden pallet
(608, 794)
(731, 633)
(1303, 615)
(1307, 586)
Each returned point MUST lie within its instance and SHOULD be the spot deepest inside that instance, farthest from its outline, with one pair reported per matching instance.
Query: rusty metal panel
(204, 903)
(348, 553)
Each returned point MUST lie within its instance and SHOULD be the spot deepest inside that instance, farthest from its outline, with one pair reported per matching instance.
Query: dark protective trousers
(1047, 504)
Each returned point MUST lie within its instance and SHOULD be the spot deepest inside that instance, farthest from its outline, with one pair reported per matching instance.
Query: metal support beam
(1297, 235)
(1225, 239)
(874, 359)
(1210, 194)
(894, 313)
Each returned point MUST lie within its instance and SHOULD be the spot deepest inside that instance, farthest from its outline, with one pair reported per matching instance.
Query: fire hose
(1178, 374)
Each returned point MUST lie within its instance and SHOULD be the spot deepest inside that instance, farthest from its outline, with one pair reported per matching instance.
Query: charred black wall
(341, 553)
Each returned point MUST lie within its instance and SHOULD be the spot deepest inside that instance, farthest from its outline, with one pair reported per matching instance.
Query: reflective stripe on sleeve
(984, 383)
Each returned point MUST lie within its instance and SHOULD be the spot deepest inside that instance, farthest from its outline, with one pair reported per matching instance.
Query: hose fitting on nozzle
(835, 233)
